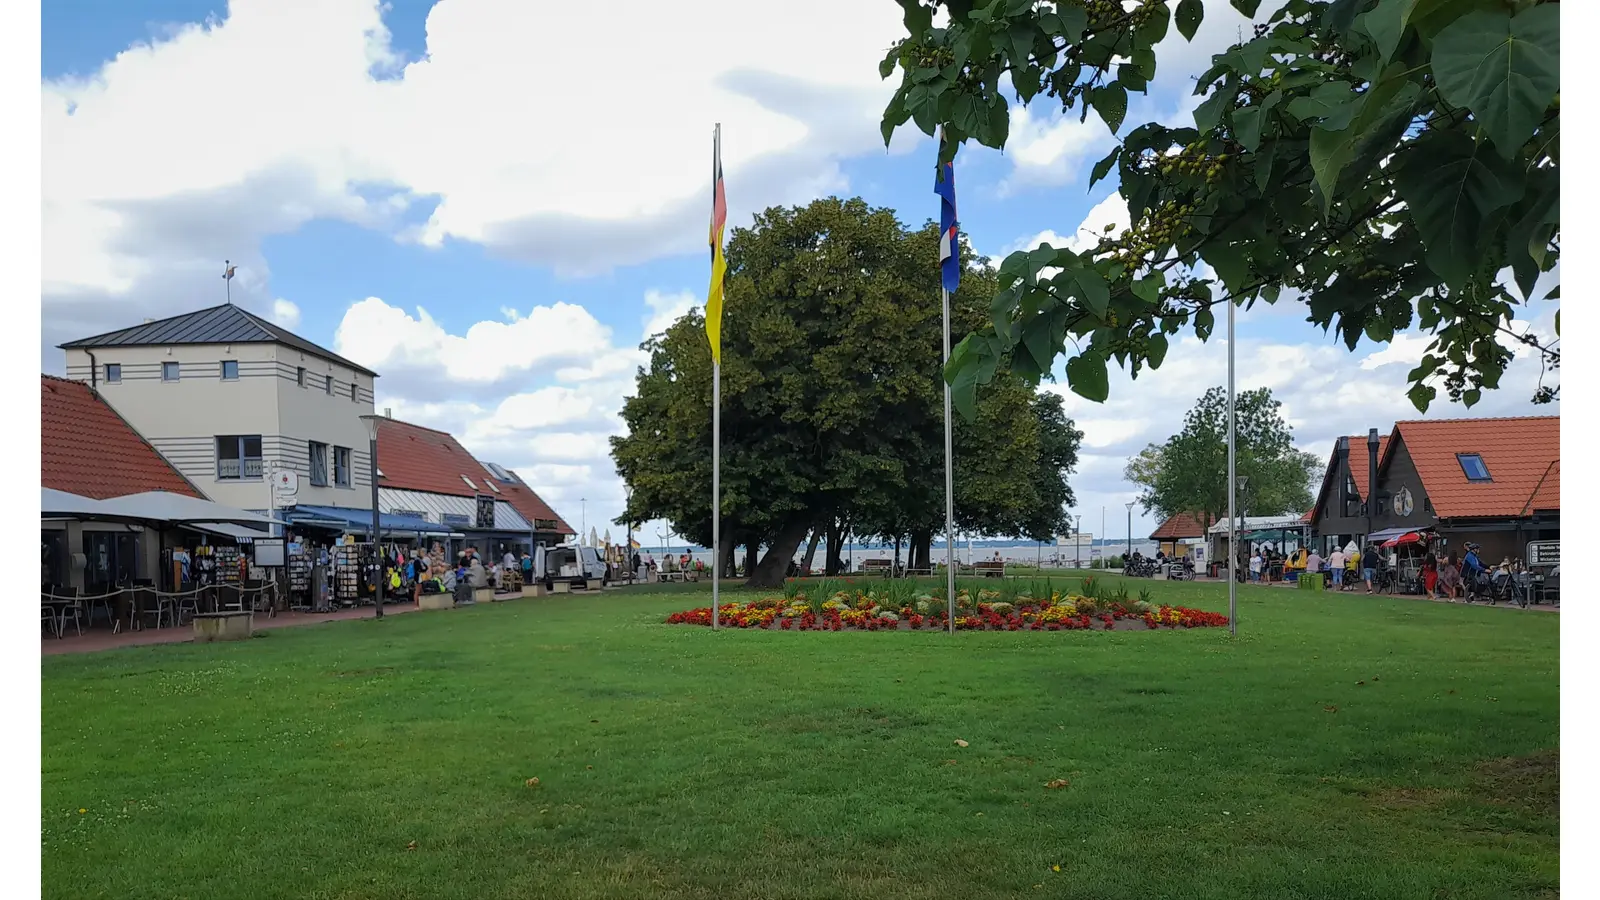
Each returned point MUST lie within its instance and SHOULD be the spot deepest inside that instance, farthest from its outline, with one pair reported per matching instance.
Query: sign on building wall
(485, 511)
(1544, 553)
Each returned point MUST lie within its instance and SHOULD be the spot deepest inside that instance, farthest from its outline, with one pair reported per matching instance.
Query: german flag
(719, 265)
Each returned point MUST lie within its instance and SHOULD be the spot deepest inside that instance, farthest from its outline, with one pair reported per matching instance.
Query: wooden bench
(990, 569)
(882, 567)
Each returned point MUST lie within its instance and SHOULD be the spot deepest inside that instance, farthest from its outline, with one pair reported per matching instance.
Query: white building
(228, 398)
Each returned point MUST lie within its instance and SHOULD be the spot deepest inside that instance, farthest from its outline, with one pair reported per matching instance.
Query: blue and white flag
(944, 184)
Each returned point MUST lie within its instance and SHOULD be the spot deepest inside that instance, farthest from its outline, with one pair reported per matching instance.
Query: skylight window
(1472, 466)
(469, 482)
(492, 485)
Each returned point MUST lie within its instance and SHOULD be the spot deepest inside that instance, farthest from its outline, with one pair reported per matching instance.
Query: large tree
(1383, 162)
(831, 398)
(1189, 473)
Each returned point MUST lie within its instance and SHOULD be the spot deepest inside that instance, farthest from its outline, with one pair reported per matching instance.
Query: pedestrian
(1336, 567)
(1430, 574)
(1450, 577)
(1256, 564)
(1370, 561)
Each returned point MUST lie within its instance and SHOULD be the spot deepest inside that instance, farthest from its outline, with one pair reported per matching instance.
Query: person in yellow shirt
(1352, 565)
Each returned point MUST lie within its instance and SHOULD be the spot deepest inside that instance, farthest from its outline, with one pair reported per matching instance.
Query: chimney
(388, 413)
(1372, 476)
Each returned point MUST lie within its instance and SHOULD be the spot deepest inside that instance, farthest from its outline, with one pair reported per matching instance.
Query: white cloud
(285, 313)
(666, 309)
(193, 148)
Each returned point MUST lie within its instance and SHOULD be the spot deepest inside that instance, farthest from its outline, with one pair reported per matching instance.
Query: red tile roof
(1518, 452)
(1547, 496)
(1180, 526)
(1358, 461)
(414, 458)
(87, 449)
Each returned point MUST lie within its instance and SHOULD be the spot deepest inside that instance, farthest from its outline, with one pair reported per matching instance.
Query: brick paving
(101, 638)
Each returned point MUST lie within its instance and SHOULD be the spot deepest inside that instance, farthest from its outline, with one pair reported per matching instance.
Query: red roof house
(1482, 468)
(1180, 527)
(87, 449)
(414, 458)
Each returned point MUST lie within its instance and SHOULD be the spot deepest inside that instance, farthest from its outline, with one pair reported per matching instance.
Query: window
(113, 373)
(230, 370)
(300, 376)
(341, 466)
(354, 394)
(1472, 466)
(319, 464)
(238, 457)
(327, 385)
(469, 482)
(169, 371)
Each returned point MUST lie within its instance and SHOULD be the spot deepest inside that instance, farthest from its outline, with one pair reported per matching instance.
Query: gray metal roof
(225, 324)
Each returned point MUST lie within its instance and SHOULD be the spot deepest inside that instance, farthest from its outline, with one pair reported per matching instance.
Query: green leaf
(894, 115)
(1130, 77)
(965, 115)
(1330, 151)
(1204, 322)
(1209, 112)
(1190, 13)
(1154, 29)
(1505, 69)
(1248, 7)
(1111, 102)
(1067, 22)
(886, 68)
(1102, 167)
(918, 18)
(1470, 397)
(1149, 287)
(1421, 395)
(1087, 377)
(1155, 347)
(1558, 321)
(1230, 262)
(1452, 186)
(1038, 339)
(1247, 127)
(1385, 24)
(1086, 283)
(1528, 239)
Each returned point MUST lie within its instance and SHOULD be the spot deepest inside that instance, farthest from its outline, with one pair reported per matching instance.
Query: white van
(575, 565)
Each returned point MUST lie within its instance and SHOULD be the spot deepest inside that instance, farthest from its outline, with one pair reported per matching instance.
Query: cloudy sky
(492, 202)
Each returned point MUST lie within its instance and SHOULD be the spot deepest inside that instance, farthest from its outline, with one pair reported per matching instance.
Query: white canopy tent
(161, 506)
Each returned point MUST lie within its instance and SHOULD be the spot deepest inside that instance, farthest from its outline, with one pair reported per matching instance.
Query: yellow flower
(82, 811)
(1055, 868)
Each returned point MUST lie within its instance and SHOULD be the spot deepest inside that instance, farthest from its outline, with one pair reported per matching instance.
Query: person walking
(1256, 563)
(1336, 567)
(1369, 567)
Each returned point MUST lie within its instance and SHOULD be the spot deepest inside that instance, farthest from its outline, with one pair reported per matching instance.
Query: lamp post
(377, 541)
(583, 529)
(1130, 533)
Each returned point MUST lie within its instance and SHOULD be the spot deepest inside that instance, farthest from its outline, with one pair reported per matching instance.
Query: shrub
(1087, 605)
(1090, 587)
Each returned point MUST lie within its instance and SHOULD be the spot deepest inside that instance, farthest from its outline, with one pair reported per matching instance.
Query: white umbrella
(608, 537)
(163, 506)
(594, 537)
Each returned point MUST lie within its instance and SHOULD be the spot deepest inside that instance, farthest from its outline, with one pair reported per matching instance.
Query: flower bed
(867, 611)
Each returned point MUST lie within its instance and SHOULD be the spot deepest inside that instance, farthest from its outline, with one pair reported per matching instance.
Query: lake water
(1010, 551)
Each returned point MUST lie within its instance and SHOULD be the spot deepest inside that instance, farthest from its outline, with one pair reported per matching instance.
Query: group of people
(1446, 578)
(1346, 569)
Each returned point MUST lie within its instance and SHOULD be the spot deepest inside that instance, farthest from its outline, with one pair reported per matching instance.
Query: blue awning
(359, 521)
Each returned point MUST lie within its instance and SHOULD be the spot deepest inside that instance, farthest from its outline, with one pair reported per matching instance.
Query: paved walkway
(101, 638)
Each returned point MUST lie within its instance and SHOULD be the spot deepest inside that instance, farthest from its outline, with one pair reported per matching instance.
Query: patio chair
(74, 612)
(189, 602)
(47, 615)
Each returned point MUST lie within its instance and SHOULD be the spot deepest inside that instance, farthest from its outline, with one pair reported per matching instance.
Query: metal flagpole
(949, 481)
(716, 422)
(1233, 486)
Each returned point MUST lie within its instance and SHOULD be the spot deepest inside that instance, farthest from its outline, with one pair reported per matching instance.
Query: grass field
(1341, 747)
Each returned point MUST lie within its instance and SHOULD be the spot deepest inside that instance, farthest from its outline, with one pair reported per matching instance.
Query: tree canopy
(1189, 473)
(832, 404)
(1384, 162)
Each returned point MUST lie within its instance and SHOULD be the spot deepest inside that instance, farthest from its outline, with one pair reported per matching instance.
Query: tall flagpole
(716, 409)
(949, 480)
(1233, 484)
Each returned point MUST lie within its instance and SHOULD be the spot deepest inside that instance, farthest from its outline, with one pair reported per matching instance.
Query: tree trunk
(835, 560)
(775, 565)
(750, 557)
(922, 550)
(897, 554)
(724, 555)
(811, 551)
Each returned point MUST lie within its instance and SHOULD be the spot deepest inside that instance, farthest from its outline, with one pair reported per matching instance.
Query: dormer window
(1473, 467)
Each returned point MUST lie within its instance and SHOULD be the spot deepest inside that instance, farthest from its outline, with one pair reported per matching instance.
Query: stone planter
(483, 595)
(594, 584)
(563, 587)
(223, 626)
(533, 590)
(436, 601)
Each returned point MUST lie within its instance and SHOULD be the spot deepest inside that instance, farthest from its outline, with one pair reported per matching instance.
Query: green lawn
(1341, 747)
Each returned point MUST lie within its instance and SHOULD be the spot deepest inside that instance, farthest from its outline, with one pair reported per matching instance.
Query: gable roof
(85, 448)
(1547, 496)
(1180, 526)
(415, 458)
(1518, 452)
(1358, 468)
(225, 324)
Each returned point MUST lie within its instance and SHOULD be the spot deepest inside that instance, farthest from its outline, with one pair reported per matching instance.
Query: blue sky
(363, 165)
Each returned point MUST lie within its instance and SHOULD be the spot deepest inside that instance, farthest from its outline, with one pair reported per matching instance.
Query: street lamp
(377, 541)
(1130, 533)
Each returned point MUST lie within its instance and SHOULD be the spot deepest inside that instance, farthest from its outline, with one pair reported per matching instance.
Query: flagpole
(1233, 485)
(716, 428)
(949, 480)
